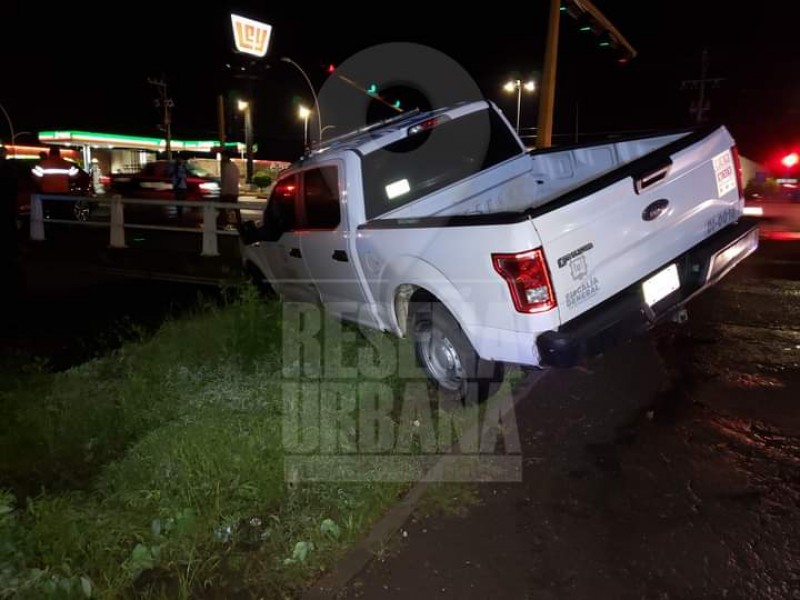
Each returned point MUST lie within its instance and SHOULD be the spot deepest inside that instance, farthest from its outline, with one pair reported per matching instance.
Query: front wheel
(81, 210)
(446, 355)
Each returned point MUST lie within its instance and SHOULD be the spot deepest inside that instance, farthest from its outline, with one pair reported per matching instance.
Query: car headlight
(210, 186)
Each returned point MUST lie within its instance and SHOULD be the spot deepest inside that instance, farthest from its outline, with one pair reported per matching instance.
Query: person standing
(229, 192)
(53, 173)
(180, 184)
(97, 182)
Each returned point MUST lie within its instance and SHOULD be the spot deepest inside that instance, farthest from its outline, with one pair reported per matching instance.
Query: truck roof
(377, 135)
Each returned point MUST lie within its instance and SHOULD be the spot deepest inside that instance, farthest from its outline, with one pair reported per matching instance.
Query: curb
(343, 572)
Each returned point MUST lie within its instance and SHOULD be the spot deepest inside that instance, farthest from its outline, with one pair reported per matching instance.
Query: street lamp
(245, 107)
(517, 85)
(19, 133)
(288, 60)
(303, 112)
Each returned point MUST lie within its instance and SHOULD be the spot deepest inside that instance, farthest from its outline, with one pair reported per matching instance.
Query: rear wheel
(446, 355)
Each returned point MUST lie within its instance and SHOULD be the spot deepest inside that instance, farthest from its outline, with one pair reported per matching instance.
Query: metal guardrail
(117, 224)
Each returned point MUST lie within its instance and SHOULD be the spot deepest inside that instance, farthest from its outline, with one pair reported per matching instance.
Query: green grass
(157, 471)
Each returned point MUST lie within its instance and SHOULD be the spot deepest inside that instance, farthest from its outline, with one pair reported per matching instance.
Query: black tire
(446, 355)
(81, 210)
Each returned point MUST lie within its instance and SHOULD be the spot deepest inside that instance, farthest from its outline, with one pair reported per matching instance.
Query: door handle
(340, 255)
(295, 253)
(652, 176)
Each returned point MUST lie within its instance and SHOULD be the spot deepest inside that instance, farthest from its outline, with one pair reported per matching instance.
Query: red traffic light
(331, 68)
(790, 160)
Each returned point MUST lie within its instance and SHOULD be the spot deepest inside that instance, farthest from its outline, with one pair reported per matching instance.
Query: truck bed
(543, 176)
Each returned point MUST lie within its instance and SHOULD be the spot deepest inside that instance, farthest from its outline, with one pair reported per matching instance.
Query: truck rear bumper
(627, 315)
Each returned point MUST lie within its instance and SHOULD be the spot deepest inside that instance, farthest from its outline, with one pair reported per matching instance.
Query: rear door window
(280, 215)
(321, 198)
(437, 156)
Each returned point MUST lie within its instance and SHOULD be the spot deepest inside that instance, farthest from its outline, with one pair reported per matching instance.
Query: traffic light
(331, 68)
(372, 88)
(591, 20)
(396, 104)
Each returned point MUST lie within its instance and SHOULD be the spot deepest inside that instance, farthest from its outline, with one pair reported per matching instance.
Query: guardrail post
(117, 223)
(210, 230)
(37, 218)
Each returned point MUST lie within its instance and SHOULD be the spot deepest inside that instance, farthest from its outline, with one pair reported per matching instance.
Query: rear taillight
(528, 280)
(737, 164)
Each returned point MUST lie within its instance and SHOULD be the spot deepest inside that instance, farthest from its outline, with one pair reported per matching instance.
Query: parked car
(154, 182)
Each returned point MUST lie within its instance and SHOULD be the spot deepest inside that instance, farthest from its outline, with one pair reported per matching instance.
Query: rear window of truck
(434, 158)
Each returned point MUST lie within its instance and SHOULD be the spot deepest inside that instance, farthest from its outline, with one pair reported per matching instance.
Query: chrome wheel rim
(441, 359)
(81, 210)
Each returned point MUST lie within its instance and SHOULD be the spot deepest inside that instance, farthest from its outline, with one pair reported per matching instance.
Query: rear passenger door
(328, 250)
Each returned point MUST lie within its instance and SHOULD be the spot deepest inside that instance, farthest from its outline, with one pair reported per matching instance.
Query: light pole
(304, 113)
(288, 60)
(248, 137)
(517, 85)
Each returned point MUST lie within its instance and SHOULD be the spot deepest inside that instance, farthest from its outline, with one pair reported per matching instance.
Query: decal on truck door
(725, 173)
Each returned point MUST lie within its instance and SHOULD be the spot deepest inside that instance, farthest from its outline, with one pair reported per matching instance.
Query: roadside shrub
(262, 179)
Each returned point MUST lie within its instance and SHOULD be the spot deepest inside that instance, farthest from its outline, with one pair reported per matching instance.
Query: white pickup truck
(442, 227)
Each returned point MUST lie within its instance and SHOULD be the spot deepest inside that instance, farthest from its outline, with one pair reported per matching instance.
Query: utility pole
(164, 102)
(701, 105)
(547, 95)
(613, 38)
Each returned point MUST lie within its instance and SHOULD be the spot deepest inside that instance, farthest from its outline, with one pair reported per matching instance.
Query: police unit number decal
(721, 219)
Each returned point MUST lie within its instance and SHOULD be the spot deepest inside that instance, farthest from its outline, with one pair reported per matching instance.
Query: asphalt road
(666, 469)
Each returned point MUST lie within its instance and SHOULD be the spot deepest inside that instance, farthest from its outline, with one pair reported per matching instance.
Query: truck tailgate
(615, 231)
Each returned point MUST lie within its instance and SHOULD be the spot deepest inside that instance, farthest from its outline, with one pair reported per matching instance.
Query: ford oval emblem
(655, 210)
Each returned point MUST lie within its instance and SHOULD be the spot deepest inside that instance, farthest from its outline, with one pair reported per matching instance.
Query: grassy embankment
(157, 470)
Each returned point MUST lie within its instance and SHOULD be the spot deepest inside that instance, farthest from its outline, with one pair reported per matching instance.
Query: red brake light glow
(286, 190)
(528, 280)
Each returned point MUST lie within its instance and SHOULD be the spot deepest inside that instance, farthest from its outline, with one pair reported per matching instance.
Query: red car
(154, 182)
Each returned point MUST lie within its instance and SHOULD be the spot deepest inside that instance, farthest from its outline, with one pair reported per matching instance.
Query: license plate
(661, 285)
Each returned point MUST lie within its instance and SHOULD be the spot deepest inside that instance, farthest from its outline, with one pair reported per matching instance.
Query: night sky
(73, 67)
